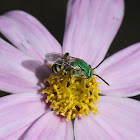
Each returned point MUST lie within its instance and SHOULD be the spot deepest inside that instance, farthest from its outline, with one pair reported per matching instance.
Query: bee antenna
(100, 62)
(101, 78)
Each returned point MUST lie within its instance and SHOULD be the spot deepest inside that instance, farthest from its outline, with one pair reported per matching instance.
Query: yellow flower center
(72, 96)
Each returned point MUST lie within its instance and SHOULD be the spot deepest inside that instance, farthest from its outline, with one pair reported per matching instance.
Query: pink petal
(118, 120)
(91, 25)
(19, 111)
(50, 127)
(28, 34)
(122, 72)
(19, 72)
(18, 134)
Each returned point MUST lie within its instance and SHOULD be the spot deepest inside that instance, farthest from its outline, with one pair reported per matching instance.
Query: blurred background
(51, 13)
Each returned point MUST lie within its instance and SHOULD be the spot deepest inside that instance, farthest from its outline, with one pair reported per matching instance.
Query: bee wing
(54, 57)
(57, 58)
(71, 59)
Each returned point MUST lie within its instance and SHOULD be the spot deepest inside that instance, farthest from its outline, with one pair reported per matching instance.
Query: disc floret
(72, 96)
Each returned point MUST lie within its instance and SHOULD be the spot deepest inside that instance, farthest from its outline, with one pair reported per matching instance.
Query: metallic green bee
(67, 63)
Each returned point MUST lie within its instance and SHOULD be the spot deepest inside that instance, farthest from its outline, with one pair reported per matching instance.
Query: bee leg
(64, 73)
(67, 56)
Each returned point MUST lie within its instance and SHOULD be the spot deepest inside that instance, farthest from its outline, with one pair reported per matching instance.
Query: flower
(90, 28)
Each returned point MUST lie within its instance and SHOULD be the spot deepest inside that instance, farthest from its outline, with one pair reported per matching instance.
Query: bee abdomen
(57, 68)
(54, 70)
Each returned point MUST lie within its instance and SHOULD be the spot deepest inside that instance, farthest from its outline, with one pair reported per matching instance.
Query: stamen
(72, 96)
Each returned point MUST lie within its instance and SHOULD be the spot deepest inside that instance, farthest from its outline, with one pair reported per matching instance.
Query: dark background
(52, 14)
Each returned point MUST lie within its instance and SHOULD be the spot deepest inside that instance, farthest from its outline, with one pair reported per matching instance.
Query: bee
(67, 63)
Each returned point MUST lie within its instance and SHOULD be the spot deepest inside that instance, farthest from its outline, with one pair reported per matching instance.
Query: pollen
(72, 96)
